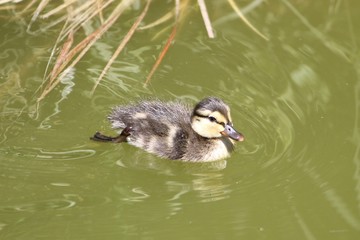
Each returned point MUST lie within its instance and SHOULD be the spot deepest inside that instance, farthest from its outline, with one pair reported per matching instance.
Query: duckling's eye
(212, 119)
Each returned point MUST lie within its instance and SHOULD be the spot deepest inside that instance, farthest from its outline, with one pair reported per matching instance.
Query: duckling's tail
(101, 138)
(121, 138)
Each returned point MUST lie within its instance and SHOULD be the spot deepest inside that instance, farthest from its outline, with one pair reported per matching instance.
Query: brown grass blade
(162, 54)
(82, 47)
(40, 7)
(177, 10)
(28, 6)
(59, 8)
(77, 15)
(6, 1)
(52, 54)
(159, 21)
(84, 14)
(206, 19)
(62, 56)
(244, 19)
(89, 41)
(100, 3)
(122, 44)
(179, 15)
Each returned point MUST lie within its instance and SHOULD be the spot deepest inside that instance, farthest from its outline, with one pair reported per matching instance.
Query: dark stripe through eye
(212, 119)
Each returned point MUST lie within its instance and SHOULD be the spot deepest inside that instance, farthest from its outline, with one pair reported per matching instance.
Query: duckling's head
(211, 119)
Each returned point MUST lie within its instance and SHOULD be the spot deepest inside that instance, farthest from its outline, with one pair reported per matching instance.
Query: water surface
(295, 97)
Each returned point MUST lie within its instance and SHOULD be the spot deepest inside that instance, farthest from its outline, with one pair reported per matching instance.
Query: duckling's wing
(158, 127)
(153, 112)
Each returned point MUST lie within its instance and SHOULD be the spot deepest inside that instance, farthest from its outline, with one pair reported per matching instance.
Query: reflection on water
(67, 78)
(210, 187)
(204, 186)
(143, 160)
(11, 103)
(331, 195)
(38, 153)
(59, 204)
(66, 155)
(135, 195)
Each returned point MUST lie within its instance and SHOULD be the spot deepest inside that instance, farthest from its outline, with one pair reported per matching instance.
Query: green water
(295, 97)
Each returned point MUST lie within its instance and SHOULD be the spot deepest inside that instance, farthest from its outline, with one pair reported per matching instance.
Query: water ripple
(66, 155)
(41, 153)
(58, 204)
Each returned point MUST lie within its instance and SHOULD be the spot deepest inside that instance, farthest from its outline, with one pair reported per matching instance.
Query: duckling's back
(158, 127)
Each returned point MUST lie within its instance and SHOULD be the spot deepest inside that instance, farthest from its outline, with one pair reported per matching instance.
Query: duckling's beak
(232, 133)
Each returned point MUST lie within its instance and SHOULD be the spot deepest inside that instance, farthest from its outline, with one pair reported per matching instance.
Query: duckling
(174, 130)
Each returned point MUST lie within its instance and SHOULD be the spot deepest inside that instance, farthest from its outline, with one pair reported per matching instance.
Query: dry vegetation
(73, 14)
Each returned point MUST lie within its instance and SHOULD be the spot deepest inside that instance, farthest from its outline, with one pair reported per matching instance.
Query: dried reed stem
(162, 54)
(205, 16)
(244, 19)
(157, 22)
(122, 44)
(83, 47)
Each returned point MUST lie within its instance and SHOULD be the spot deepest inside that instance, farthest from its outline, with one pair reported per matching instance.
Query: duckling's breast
(207, 150)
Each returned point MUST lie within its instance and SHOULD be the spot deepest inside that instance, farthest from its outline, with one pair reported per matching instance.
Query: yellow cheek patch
(204, 127)
(213, 128)
(219, 117)
(219, 128)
